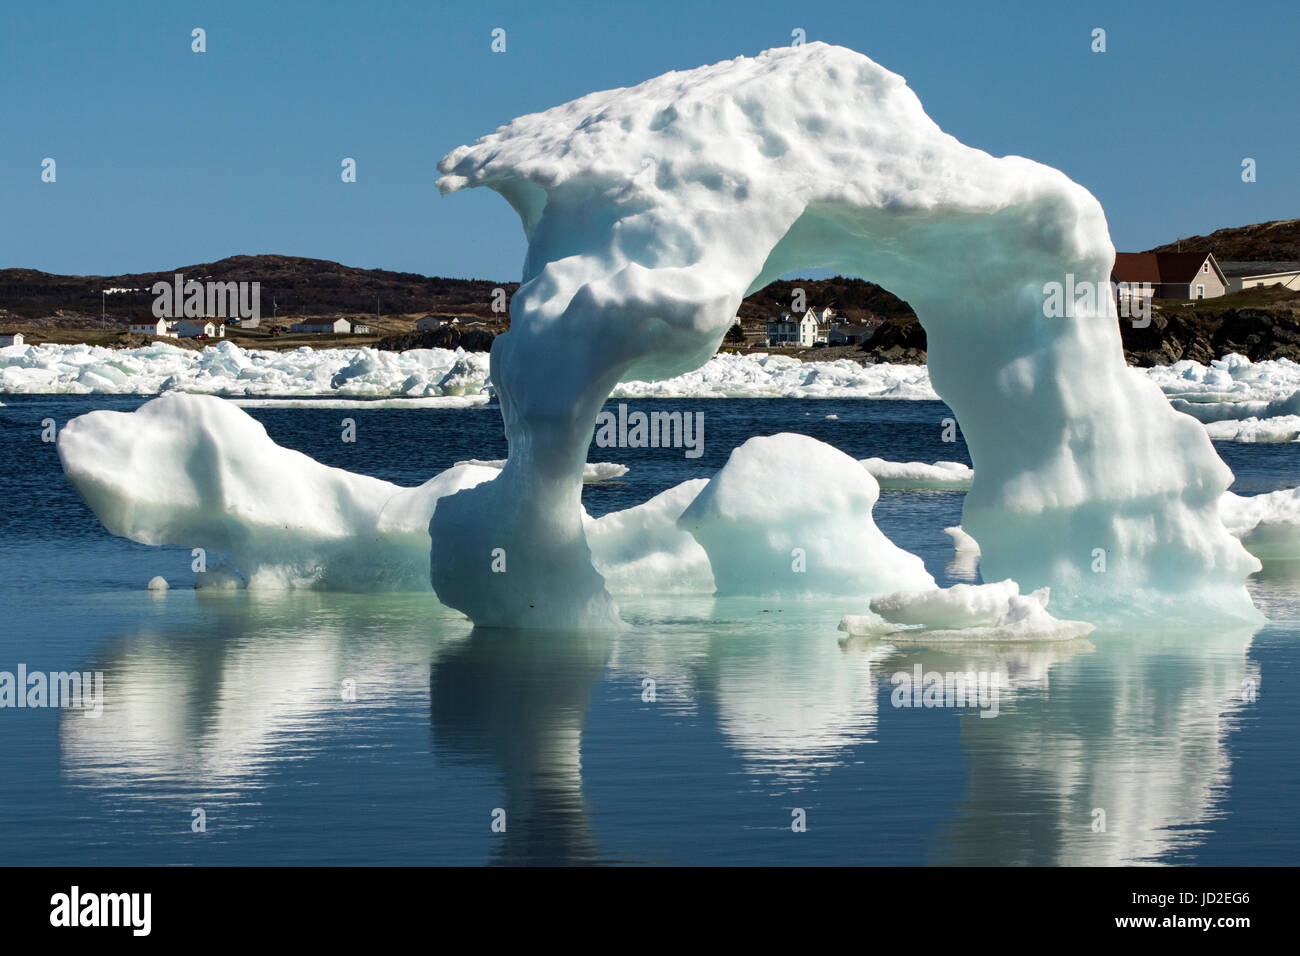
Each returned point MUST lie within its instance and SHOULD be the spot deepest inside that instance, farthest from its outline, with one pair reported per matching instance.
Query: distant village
(205, 330)
(1182, 277)
(815, 329)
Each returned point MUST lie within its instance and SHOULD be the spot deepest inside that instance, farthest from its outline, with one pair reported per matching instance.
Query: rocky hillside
(291, 287)
(1276, 241)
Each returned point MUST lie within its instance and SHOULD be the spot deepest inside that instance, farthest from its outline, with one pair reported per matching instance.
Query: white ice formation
(651, 211)
(591, 471)
(919, 476)
(197, 471)
(1268, 525)
(768, 532)
(964, 612)
(228, 370)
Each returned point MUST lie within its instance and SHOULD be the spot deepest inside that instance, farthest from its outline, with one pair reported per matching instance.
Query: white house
(10, 338)
(359, 327)
(805, 331)
(192, 329)
(327, 326)
(152, 326)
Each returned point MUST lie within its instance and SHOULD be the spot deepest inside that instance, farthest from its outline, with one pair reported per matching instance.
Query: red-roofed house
(1173, 275)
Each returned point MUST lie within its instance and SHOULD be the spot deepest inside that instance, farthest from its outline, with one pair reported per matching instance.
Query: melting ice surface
(642, 243)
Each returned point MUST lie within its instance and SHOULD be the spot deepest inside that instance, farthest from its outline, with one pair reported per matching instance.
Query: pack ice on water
(650, 212)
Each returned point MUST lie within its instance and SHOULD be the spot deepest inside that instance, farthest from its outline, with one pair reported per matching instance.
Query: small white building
(324, 326)
(193, 328)
(359, 327)
(10, 338)
(802, 331)
(151, 326)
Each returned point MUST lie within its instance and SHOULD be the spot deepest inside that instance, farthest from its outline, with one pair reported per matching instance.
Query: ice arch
(651, 211)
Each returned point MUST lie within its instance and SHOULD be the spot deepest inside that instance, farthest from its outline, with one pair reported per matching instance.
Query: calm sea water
(230, 703)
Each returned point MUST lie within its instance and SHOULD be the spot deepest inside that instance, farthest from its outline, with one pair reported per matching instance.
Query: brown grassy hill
(1276, 241)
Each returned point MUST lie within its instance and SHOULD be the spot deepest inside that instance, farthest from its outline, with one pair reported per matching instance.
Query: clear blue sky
(167, 157)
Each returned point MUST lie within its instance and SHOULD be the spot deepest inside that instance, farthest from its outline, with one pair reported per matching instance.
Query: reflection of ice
(788, 700)
(212, 709)
(1150, 755)
(1133, 725)
(518, 699)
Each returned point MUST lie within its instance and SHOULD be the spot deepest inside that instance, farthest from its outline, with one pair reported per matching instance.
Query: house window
(1200, 292)
(1205, 266)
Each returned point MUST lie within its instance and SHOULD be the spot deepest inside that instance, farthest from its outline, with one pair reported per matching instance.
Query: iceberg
(651, 211)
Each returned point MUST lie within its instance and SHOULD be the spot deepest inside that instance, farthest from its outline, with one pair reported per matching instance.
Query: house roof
(1159, 267)
(1258, 268)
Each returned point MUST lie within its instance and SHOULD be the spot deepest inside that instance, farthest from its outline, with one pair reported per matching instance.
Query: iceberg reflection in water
(687, 737)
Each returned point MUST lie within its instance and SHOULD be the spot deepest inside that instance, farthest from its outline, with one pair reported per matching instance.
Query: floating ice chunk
(642, 549)
(961, 541)
(918, 476)
(1268, 525)
(467, 376)
(591, 471)
(1284, 428)
(158, 583)
(197, 471)
(791, 515)
(965, 612)
(962, 605)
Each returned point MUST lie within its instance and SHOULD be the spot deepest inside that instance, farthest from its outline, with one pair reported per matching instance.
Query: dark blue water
(231, 704)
